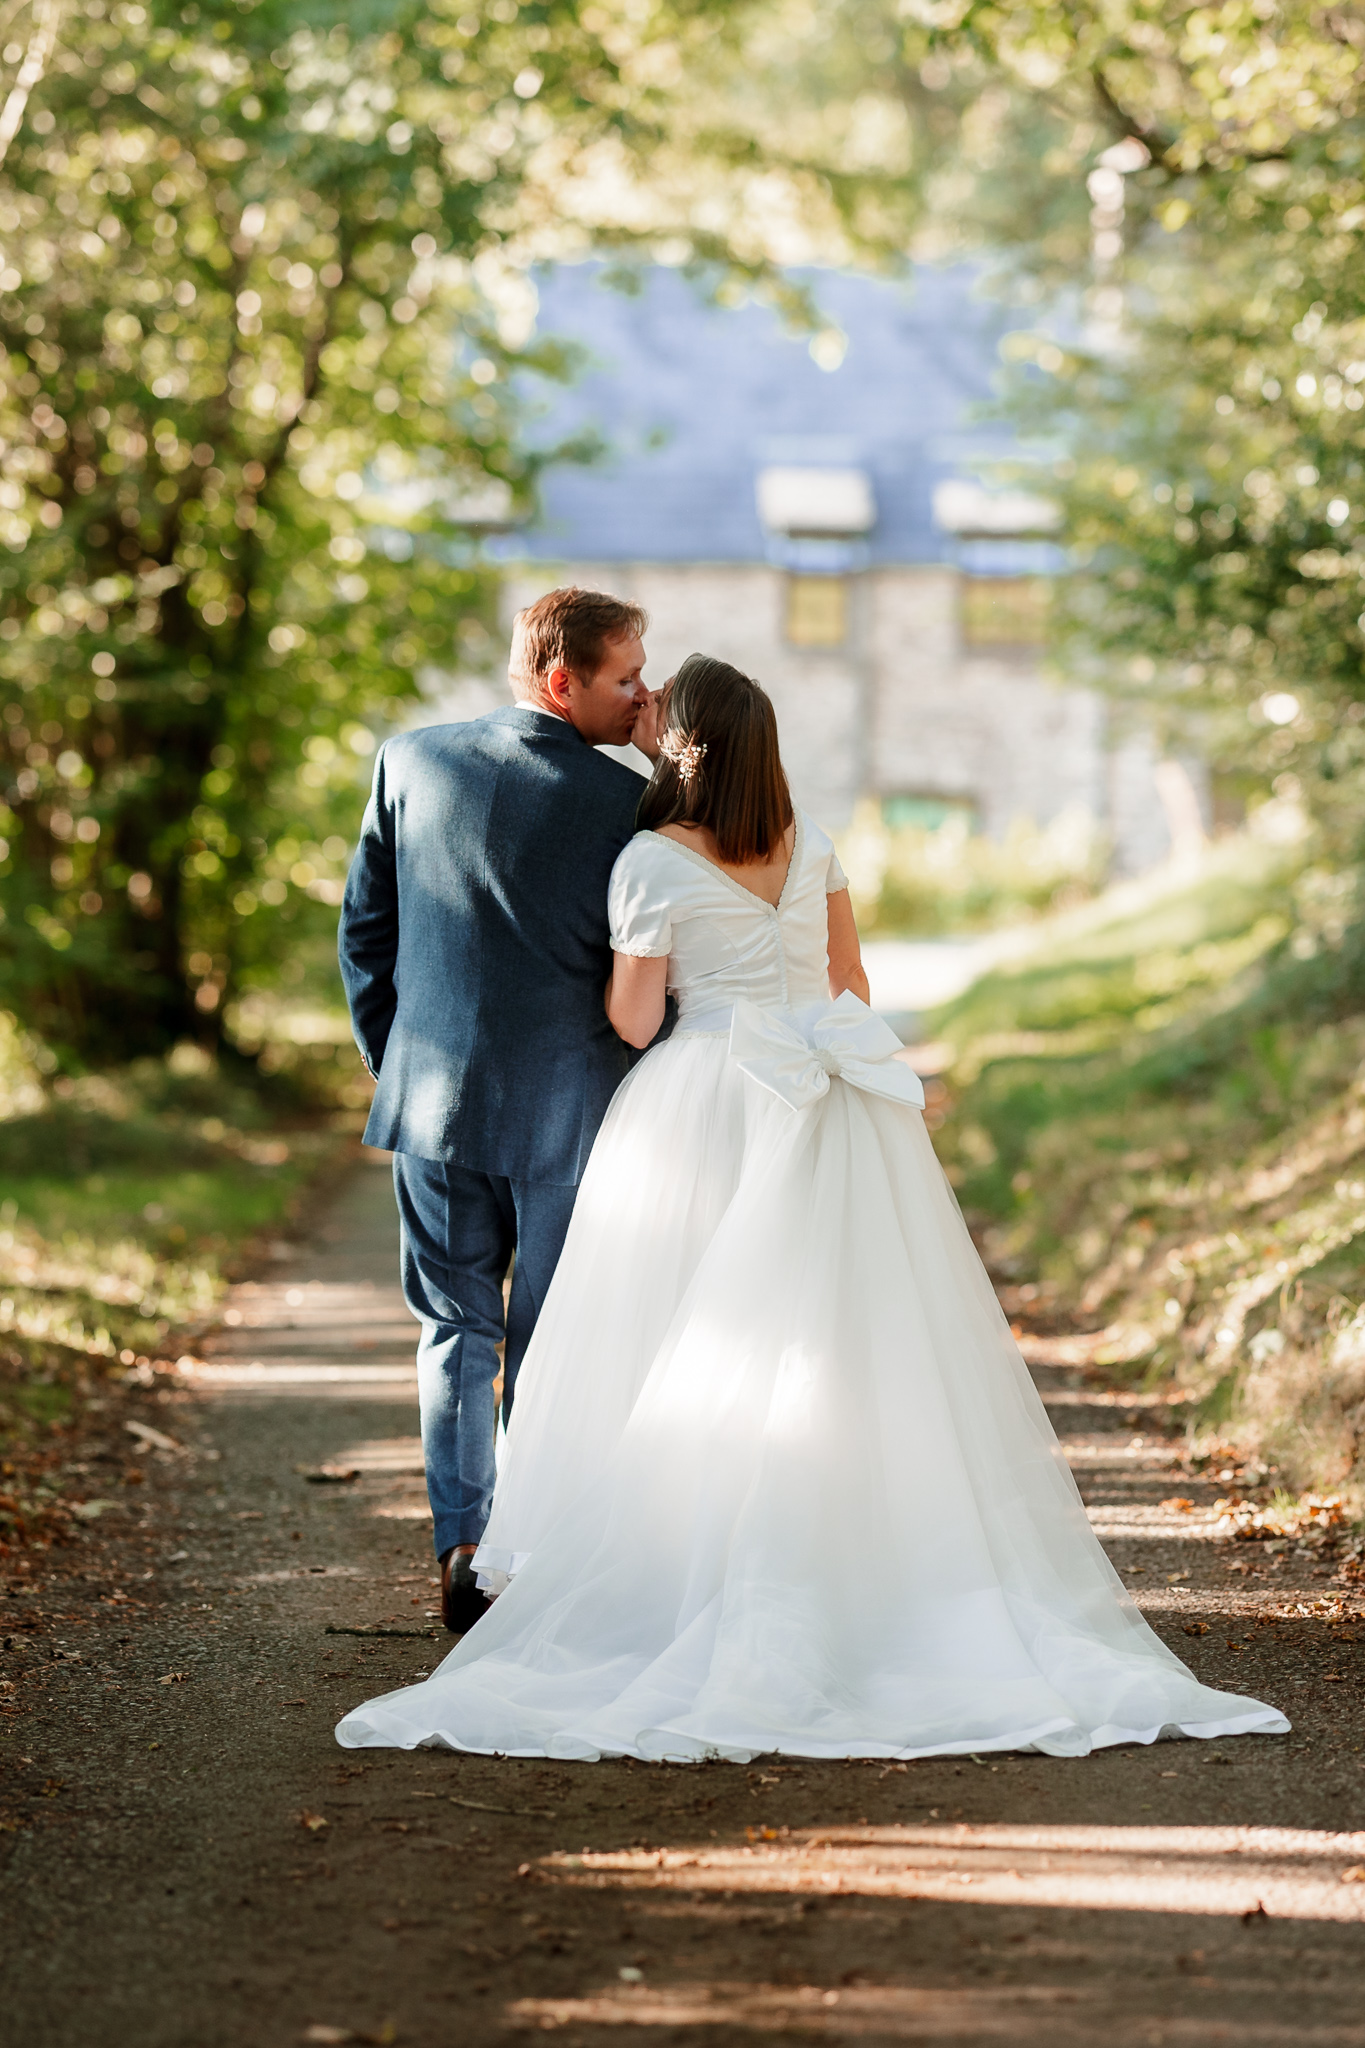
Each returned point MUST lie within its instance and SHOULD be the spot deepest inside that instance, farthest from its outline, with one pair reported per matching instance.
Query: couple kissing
(775, 1478)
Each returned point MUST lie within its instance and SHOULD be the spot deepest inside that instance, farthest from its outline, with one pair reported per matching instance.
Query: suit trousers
(461, 1230)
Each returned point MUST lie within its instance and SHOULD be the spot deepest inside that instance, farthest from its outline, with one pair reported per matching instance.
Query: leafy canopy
(256, 330)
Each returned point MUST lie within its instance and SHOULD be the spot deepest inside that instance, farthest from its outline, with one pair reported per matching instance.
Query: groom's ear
(557, 684)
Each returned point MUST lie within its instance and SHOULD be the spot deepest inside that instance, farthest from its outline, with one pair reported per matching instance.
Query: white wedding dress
(777, 1478)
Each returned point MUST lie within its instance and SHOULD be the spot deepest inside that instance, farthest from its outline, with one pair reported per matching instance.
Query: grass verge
(127, 1202)
(1158, 1130)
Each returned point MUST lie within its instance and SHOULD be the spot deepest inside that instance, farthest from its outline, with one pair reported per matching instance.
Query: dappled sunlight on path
(1296, 1874)
(1042, 2014)
(333, 1321)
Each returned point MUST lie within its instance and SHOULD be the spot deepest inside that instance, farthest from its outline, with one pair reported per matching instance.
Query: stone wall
(956, 722)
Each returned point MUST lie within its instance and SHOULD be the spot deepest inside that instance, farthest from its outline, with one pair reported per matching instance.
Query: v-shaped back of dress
(722, 941)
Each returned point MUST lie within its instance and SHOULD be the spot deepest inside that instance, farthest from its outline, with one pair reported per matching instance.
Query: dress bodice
(721, 941)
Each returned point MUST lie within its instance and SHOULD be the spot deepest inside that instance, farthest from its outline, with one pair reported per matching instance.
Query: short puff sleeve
(637, 903)
(820, 845)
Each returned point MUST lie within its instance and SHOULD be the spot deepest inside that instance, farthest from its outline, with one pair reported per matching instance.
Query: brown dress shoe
(461, 1601)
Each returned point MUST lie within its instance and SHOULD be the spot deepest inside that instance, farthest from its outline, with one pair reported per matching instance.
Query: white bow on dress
(796, 1053)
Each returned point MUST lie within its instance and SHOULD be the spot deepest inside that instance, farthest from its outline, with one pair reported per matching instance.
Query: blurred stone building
(814, 512)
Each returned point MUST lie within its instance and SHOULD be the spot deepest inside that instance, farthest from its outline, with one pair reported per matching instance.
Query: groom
(475, 952)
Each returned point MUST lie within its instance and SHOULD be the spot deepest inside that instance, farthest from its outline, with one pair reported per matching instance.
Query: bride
(778, 1478)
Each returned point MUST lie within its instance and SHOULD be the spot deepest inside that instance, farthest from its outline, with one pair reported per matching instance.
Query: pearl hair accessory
(686, 755)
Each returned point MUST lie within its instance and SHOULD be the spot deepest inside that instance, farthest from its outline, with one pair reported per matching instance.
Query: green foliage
(251, 383)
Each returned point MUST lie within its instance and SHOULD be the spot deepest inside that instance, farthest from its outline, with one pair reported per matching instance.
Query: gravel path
(188, 1861)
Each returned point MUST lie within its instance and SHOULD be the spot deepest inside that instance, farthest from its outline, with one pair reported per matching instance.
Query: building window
(1004, 611)
(927, 813)
(817, 611)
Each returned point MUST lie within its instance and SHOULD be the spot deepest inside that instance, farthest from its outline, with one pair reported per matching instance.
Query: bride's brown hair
(721, 766)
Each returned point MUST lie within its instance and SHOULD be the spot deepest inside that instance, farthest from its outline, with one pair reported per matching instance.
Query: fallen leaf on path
(314, 1822)
(328, 1475)
(332, 2037)
(1196, 1628)
(1355, 1875)
(424, 1634)
(480, 1806)
(1181, 1505)
(145, 1434)
(1174, 1578)
(174, 1678)
(302, 1571)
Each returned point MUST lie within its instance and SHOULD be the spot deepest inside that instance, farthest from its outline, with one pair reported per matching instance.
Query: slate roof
(694, 399)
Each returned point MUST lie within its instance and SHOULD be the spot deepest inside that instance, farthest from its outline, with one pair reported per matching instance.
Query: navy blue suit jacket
(474, 943)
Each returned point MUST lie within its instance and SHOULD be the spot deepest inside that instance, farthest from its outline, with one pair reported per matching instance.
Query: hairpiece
(686, 755)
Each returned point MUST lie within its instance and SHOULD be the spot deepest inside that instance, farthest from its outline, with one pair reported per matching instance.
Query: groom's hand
(645, 735)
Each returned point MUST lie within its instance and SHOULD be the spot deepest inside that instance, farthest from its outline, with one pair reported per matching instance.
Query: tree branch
(308, 384)
(1128, 124)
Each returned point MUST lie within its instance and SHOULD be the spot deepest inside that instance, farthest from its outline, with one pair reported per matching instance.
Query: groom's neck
(535, 702)
(551, 710)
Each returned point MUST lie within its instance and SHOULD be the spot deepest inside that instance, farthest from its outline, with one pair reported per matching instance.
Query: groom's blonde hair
(569, 629)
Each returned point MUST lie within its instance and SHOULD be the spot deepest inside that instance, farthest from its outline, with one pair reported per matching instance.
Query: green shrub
(923, 880)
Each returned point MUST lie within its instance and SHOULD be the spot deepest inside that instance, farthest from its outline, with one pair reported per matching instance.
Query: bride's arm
(845, 954)
(636, 994)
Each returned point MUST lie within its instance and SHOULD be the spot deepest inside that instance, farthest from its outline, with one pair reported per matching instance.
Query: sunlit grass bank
(1158, 1124)
(126, 1201)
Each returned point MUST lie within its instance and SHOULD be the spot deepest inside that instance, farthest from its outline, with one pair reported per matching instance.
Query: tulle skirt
(777, 1479)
